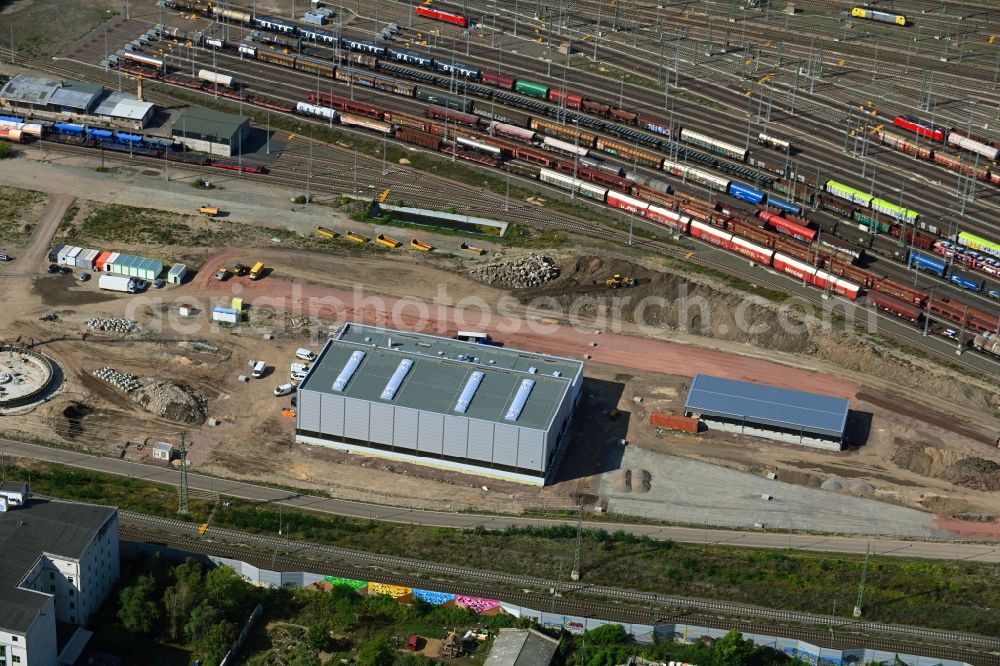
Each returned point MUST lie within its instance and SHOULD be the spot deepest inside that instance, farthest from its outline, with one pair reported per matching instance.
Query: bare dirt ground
(308, 291)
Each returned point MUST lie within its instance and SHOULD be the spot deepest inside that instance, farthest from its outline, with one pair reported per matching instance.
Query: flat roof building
(211, 131)
(124, 108)
(766, 411)
(441, 402)
(522, 647)
(60, 561)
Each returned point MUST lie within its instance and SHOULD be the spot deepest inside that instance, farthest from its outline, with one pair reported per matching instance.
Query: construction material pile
(116, 325)
(168, 400)
(523, 272)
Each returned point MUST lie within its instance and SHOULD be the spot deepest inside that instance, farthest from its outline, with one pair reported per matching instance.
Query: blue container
(99, 133)
(966, 282)
(69, 128)
(928, 263)
(129, 138)
(12, 119)
(745, 192)
(786, 206)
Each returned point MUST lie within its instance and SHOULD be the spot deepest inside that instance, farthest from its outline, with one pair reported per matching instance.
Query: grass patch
(945, 594)
(84, 486)
(535, 239)
(16, 210)
(40, 31)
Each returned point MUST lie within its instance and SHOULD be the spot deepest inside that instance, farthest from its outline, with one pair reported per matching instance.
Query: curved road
(197, 482)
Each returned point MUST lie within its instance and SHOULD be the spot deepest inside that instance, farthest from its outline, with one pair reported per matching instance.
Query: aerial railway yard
(285, 89)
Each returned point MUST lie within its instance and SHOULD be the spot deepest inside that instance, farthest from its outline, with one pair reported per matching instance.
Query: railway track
(606, 602)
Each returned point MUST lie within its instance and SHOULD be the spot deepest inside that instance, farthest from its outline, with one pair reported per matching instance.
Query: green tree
(318, 638)
(181, 597)
(5, 150)
(229, 593)
(138, 611)
(732, 649)
(216, 641)
(376, 652)
(203, 615)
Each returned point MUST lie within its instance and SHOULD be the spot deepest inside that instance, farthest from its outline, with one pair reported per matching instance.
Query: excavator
(619, 281)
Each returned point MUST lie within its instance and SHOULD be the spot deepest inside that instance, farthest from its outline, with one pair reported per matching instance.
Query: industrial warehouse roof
(768, 405)
(197, 120)
(441, 370)
(121, 105)
(76, 95)
(522, 647)
(24, 89)
(58, 528)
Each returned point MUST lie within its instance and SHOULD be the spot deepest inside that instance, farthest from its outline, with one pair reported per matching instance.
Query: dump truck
(257, 272)
(324, 232)
(420, 245)
(618, 281)
(390, 243)
(222, 274)
(210, 211)
(117, 283)
(241, 269)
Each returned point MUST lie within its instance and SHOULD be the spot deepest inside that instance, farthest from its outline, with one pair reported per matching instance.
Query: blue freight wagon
(781, 204)
(745, 192)
(967, 281)
(928, 263)
(71, 129)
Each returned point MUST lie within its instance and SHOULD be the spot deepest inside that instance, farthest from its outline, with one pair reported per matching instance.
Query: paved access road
(197, 482)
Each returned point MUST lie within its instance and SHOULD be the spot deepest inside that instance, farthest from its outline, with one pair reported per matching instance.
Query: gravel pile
(114, 325)
(122, 381)
(176, 402)
(532, 270)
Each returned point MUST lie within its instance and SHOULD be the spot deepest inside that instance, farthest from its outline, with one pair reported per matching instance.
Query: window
(70, 579)
(52, 575)
(71, 591)
(14, 638)
(72, 605)
(52, 588)
(72, 618)
(16, 659)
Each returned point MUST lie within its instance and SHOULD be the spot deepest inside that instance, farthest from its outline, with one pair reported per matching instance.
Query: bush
(6, 150)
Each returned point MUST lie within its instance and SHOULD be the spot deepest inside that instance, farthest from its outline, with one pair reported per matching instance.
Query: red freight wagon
(788, 227)
(756, 234)
(667, 217)
(442, 16)
(920, 127)
(653, 123)
(442, 113)
(571, 100)
(895, 306)
(758, 253)
(344, 104)
(625, 202)
(499, 80)
(418, 137)
(596, 107)
(917, 238)
(710, 234)
(839, 266)
(906, 294)
(962, 314)
(798, 251)
(623, 115)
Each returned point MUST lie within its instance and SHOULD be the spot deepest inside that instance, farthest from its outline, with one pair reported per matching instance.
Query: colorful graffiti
(394, 591)
(346, 582)
(477, 604)
(433, 598)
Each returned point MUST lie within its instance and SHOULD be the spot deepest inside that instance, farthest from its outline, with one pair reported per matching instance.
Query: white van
(258, 369)
(305, 354)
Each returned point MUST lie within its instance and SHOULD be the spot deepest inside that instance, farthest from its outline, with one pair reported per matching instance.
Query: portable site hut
(72, 255)
(176, 274)
(146, 269)
(163, 451)
(86, 259)
(109, 263)
(119, 263)
(54, 252)
(63, 257)
(227, 315)
(102, 260)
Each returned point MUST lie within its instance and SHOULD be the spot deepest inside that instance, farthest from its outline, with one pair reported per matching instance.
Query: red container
(499, 80)
(895, 306)
(571, 100)
(670, 422)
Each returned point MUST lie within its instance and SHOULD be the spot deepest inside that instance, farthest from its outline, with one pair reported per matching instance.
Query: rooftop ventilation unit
(389, 392)
(348, 371)
(469, 392)
(520, 399)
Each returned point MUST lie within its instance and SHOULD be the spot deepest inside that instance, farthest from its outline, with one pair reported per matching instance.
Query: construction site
(920, 455)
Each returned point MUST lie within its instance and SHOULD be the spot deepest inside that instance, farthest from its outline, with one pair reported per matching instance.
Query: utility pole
(575, 574)
(861, 587)
(182, 503)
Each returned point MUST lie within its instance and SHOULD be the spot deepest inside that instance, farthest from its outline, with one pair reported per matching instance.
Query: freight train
(954, 137)
(970, 165)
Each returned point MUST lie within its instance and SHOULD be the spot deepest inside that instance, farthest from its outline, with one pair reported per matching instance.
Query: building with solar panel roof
(766, 411)
(441, 402)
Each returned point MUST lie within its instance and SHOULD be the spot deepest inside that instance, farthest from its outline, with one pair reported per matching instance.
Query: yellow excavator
(619, 281)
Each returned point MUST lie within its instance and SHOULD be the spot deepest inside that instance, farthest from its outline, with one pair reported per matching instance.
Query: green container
(871, 223)
(532, 89)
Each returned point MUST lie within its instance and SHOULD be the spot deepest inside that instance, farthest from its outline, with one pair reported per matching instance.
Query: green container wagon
(870, 222)
(532, 89)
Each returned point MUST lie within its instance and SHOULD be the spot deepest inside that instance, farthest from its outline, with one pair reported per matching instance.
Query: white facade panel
(309, 411)
(531, 450)
(505, 444)
(331, 419)
(456, 436)
(430, 438)
(356, 418)
(380, 423)
(481, 440)
(406, 422)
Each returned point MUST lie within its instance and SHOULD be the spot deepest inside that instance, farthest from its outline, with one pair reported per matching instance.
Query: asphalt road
(197, 482)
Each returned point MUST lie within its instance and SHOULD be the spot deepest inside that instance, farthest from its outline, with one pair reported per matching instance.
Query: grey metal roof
(76, 95)
(58, 528)
(441, 369)
(768, 405)
(405, 211)
(122, 105)
(24, 89)
(521, 647)
(197, 120)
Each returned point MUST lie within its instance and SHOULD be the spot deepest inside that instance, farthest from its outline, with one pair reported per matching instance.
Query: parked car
(83, 277)
(65, 270)
(5, 257)
(53, 268)
(284, 389)
(305, 354)
(158, 283)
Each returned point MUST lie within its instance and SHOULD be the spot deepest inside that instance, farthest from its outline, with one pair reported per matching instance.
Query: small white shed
(176, 274)
(163, 451)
